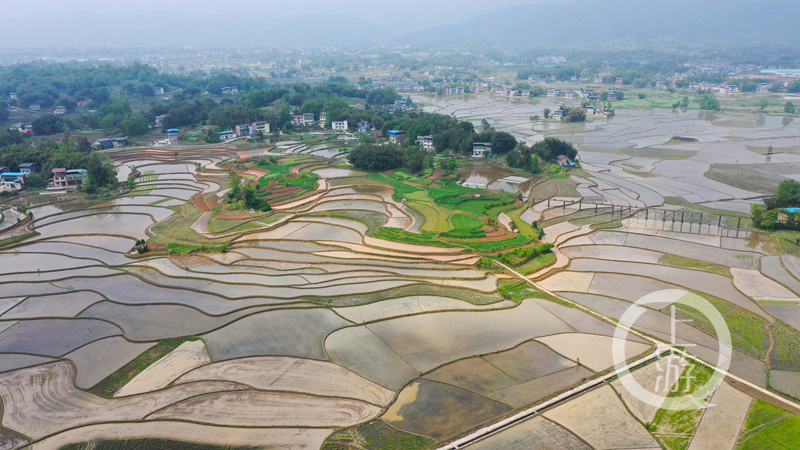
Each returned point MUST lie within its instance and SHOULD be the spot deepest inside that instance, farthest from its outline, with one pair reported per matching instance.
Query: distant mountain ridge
(645, 22)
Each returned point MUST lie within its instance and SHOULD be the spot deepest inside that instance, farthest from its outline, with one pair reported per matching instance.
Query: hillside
(637, 22)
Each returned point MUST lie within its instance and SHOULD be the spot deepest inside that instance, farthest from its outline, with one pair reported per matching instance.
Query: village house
(323, 116)
(553, 93)
(67, 178)
(84, 103)
(569, 93)
(230, 90)
(612, 96)
(480, 149)
(297, 120)
(158, 90)
(61, 110)
(308, 119)
(27, 168)
(397, 136)
(14, 181)
(226, 135)
(35, 107)
(13, 96)
(564, 161)
(261, 127)
(557, 114)
(245, 129)
(172, 133)
(339, 125)
(590, 110)
(102, 144)
(526, 94)
(119, 142)
(425, 142)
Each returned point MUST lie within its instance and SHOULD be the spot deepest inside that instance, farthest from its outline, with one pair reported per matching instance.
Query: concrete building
(230, 90)
(61, 110)
(173, 136)
(481, 149)
(397, 136)
(27, 168)
(339, 126)
(261, 127)
(425, 142)
(158, 90)
(15, 181)
(67, 178)
(102, 144)
(226, 135)
(35, 107)
(245, 129)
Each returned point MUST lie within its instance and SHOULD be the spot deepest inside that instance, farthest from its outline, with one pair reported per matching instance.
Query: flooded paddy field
(350, 308)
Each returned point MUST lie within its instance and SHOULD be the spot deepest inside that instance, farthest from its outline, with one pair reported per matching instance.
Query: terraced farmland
(392, 310)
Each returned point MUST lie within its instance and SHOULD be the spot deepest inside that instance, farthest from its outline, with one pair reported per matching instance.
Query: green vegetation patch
(744, 177)
(748, 331)
(188, 249)
(675, 428)
(397, 234)
(375, 435)
(126, 373)
(786, 352)
(495, 246)
(537, 263)
(769, 427)
(679, 261)
(476, 206)
(466, 221)
(158, 201)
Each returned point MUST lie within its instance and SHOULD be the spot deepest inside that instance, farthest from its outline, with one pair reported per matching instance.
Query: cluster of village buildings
(62, 180)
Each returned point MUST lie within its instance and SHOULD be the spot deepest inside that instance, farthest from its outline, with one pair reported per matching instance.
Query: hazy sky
(404, 14)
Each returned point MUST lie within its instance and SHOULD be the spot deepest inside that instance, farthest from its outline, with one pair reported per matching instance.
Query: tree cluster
(374, 157)
(246, 194)
(527, 158)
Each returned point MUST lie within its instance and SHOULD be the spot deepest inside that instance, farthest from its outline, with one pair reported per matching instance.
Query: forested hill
(633, 22)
